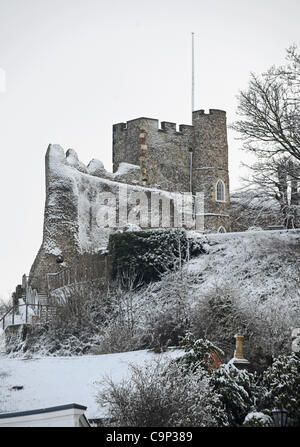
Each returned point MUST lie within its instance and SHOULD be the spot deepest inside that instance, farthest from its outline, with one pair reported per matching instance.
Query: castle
(146, 158)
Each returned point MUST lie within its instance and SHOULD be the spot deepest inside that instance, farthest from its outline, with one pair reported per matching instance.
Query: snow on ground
(52, 381)
(2, 342)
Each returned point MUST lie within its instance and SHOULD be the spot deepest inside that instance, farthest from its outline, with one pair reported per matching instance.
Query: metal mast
(193, 74)
(193, 95)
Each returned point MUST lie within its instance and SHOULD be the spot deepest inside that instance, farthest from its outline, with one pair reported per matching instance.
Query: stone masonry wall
(210, 163)
(165, 151)
(165, 154)
(74, 205)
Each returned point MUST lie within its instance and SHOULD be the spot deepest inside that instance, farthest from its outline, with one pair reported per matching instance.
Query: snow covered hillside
(52, 381)
(261, 265)
(246, 281)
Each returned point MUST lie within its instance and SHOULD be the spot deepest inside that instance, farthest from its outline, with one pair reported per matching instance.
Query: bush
(167, 309)
(237, 390)
(282, 383)
(217, 316)
(77, 324)
(162, 394)
(258, 419)
(150, 253)
(199, 353)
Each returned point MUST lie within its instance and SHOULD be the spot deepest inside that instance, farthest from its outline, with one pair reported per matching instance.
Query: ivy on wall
(150, 253)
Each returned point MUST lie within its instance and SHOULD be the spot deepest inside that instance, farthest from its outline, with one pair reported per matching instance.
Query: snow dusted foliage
(253, 279)
(238, 390)
(282, 385)
(245, 282)
(253, 208)
(217, 316)
(165, 309)
(258, 419)
(199, 353)
(150, 253)
(76, 328)
(163, 394)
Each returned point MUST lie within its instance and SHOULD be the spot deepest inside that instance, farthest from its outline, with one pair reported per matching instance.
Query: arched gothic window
(221, 230)
(220, 191)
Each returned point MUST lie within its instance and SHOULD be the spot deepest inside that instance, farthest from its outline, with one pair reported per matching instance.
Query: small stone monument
(238, 359)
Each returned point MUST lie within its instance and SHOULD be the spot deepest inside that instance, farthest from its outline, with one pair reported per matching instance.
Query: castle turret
(210, 167)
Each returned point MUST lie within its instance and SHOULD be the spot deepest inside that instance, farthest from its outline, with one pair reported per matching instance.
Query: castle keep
(195, 158)
(146, 158)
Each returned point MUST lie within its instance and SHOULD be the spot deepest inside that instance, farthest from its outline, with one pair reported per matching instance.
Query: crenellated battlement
(152, 124)
(211, 112)
(149, 124)
(167, 126)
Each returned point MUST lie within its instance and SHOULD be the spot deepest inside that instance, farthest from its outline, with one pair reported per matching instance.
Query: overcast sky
(72, 68)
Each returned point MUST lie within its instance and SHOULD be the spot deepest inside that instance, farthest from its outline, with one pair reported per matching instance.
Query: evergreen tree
(282, 383)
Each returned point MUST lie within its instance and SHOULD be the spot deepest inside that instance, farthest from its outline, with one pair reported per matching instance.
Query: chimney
(238, 359)
(239, 340)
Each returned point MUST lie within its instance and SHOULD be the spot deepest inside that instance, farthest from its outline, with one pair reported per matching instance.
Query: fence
(31, 313)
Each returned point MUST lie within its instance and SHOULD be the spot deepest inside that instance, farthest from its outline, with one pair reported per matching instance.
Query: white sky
(73, 68)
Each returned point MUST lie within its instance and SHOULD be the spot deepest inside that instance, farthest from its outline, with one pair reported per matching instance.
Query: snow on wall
(74, 203)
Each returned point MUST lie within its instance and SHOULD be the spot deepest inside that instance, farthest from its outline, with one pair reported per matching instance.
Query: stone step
(43, 298)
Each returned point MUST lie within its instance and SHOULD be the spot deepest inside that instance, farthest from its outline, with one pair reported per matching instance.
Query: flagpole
(193, 75)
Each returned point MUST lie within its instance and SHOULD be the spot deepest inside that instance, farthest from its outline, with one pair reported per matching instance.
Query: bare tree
(269, 127)
(274, 181)
(270, 110)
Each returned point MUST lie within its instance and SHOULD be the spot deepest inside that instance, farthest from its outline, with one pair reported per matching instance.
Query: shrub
(257, 419)
(282, 383)
(237, 390)
(217, 316)
(199, 353)
(167, 309)
(162, 394)
(150, 253)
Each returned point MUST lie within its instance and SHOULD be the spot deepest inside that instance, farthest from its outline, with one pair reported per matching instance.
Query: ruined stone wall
(75, 205)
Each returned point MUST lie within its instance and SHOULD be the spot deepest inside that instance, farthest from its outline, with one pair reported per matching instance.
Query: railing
(12, 313)
(2, 319)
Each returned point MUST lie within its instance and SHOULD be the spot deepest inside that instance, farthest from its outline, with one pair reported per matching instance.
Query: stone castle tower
(195, 158)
